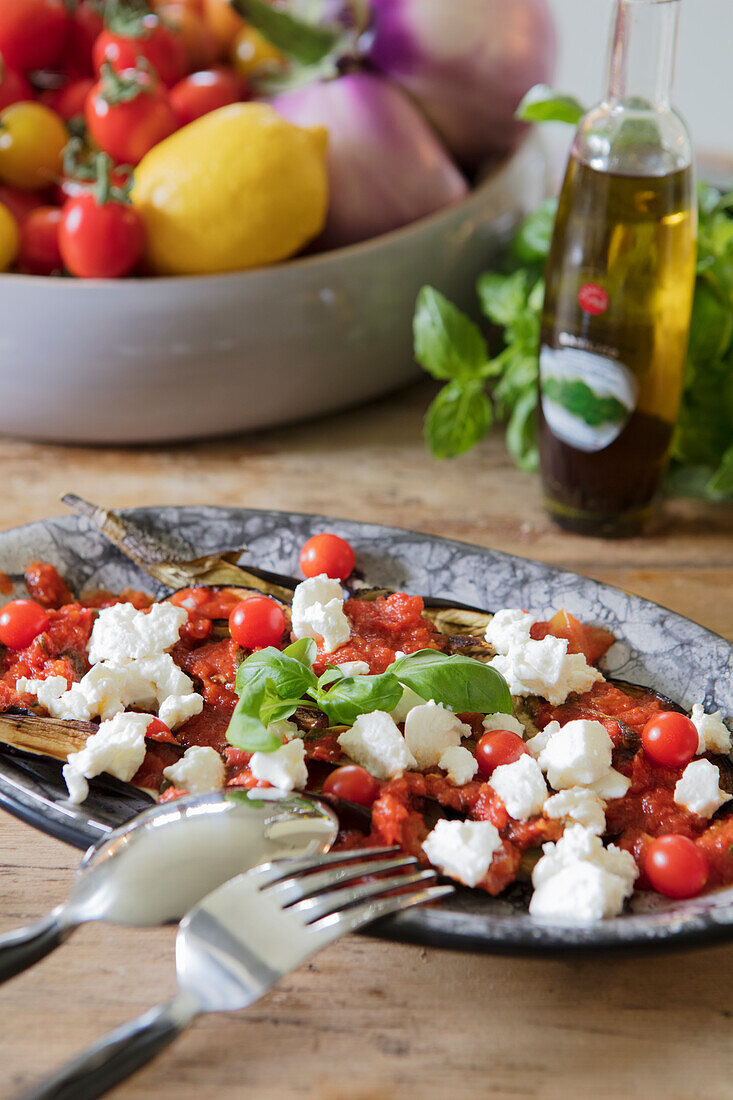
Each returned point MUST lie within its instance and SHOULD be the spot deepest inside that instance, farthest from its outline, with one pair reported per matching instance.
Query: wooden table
(369, 1020)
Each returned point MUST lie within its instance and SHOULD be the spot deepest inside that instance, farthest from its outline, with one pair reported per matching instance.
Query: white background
(704, 83)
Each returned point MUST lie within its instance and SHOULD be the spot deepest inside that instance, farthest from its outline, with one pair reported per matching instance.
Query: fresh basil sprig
(272, 684)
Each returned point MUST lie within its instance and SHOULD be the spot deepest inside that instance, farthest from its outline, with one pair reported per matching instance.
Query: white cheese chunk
(714, 735)
(503, 722)
(459, 763)
(76, 783)
(409, 700)
(200, 769)
(354, 668)
(509, 627)
(122, 633)
(537, 744)
(577, 754)
(284, 768)
(580, 806)
(611, 785)
(430, 729)
(545, 668)
(463, 850)
(375, 742)
(318, 612)
(698, 789)
(284, 729)
(177, 709)
(521, 787)
(118, 748)
(577, 879)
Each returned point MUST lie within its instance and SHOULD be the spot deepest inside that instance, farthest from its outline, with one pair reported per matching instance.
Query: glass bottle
(620, 281)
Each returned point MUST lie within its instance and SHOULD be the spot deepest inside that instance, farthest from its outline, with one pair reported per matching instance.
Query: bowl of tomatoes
(95, 349)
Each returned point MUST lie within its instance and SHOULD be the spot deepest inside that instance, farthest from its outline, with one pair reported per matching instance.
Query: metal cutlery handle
(25, 946)
(119, 1054)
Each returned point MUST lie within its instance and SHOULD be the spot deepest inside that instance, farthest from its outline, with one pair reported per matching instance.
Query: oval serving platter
(656, 648)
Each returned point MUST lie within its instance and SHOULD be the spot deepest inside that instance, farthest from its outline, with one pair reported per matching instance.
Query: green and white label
(587, 399)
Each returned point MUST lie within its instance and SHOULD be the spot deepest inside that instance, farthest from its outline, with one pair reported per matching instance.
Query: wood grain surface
(369, 1020)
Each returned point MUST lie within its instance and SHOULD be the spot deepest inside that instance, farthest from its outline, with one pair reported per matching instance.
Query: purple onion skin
(467, 63)
(387, 167)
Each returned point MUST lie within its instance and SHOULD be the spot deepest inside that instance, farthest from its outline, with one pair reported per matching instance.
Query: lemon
(240, 187)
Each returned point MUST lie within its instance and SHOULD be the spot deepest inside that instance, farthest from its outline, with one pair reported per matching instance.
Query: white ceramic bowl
(148, 360)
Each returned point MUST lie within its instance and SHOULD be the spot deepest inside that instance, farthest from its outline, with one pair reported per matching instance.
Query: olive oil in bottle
(619, 285)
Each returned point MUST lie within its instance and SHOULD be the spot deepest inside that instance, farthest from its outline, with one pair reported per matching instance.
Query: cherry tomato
(100, 240)
(161, 46)
(257, 622)
(197, 37)
(251, 53)
(353, 784)
(9, 238)
(13, 87)
(128, 113)
(68, 102)
(675, 866)
(32, 32)
(158, 731)
(21, 621)
(327, 554)
(498, 747)
(32, 138)
(86, 26)
(20, 203)
(670, 738)
(202, 92)
(39, 252)
(223, 21)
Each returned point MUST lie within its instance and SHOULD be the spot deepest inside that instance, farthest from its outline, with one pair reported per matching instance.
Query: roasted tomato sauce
(402, 809)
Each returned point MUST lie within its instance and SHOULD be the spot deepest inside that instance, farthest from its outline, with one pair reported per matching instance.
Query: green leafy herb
(542, 104)
(447, 344)
(462, 683)
(459, 417)
(355, 695)
(305, 42)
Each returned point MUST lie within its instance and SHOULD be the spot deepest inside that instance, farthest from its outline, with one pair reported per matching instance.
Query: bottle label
(587, 398)
(593, 299)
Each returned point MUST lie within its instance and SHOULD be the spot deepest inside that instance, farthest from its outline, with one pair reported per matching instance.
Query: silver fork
(240, 940)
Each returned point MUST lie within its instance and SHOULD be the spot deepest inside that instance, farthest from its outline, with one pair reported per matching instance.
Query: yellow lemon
(240, 187)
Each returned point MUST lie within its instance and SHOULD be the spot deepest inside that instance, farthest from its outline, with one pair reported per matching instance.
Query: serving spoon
(153, 869)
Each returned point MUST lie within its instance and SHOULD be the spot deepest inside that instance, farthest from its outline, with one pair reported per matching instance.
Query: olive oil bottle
(619, 285)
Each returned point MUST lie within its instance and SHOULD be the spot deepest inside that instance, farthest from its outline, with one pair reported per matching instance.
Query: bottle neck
(642, 53)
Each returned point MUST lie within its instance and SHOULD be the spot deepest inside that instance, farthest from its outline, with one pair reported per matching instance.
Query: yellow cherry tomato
(9, 238)
(32, 138)
(253, 54)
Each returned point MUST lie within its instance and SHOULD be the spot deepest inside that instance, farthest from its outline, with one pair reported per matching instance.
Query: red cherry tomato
(327, 554)
(20, 622)
(202, 92)
(13, 87)
(675, 866)
(20, 203)
(32, 33)
(100, 240)
(670, 738)
(257, 622)
(161, 46)
(353, 784)
(127, 125)
(39, 252)
(70, 100)
(86, 26)
(498, 747)
(158, 731)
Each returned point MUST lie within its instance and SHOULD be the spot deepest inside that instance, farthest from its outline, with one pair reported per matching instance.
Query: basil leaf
(290, 677)
(304, 650)
(458, 418)
(543, 104)
(330, 676)
(304, 42)
(447, 343)
(246, 731)
(721, 483)
(503, 297)
(355, 695)
(273, 708)
(458, 682)
(532, 242)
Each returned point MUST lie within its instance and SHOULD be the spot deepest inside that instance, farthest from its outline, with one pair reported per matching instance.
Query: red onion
(467, 63)
(386, 165)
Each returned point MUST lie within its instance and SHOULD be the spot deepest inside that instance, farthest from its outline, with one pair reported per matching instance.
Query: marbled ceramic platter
(656, 648)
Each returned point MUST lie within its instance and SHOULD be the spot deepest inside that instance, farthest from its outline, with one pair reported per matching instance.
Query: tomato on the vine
(670, 738)
(128, 113)
(9, 238)
(21, 621)
(329, 554)
(143, 36)
(202, 92)
(197, 37)
(32, 33)
(253, 55)
(675, 866)
(69, 101)
(20, 203)
(13, 87)
(32, 139)
(86, 26)
(257, 622)
(39, 252)
(353, 784)
(498, 747)
(101, 235)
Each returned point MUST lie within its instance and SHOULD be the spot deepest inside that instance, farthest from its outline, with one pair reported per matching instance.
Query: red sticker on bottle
(593, 299)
